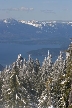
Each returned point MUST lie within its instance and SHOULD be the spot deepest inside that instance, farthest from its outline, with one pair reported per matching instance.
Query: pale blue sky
(36, 9)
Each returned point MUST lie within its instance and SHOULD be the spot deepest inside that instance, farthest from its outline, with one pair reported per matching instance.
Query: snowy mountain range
(40, 24)
(39, 32)
(36, 23)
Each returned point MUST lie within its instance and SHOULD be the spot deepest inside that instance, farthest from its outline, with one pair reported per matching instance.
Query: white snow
(11, 76)
(16, 96)
(33, 23)
(9, 92)
(5, 21)
(50, 106)
(17, 79)
(8, 89)
(45, 97)
(63, 82)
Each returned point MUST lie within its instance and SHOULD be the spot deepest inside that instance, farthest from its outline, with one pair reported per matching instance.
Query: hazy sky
(36, 9)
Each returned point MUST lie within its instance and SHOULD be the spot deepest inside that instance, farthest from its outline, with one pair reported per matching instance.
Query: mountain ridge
(18, 29)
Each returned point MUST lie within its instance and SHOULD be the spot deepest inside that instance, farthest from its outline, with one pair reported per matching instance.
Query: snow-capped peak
(5, 21)
(32, 22)
(10, 20)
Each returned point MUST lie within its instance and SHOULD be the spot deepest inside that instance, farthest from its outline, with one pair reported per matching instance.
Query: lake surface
(10, 51)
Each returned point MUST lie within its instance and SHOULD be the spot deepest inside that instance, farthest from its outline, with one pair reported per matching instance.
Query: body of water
(10, 51)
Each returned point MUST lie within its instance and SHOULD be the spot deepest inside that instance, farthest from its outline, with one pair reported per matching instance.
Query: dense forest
(28, 84)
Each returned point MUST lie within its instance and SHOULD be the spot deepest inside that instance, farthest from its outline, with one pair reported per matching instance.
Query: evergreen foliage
(27, 84)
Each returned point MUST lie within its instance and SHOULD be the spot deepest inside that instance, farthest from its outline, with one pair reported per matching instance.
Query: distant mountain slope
(35, 32)
(16, 30)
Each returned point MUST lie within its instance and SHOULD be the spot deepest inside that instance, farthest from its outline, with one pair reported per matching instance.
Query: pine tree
(68, 76)
(14, 94)
(1, 82)
(47, 67)
(58, 77)
(65, 80)
(45, 100)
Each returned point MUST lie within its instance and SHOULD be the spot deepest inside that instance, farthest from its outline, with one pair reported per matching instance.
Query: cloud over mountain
(48, 11)
(18, 9)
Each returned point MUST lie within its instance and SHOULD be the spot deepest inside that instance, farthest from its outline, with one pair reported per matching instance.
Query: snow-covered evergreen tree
(68, 76)
(47, 67)
(14, 94)
(64, 81)
(57, 78)
(45, 100)
(1, 82)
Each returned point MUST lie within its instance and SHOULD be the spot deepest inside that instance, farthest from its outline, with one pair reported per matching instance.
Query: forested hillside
(28, 84)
